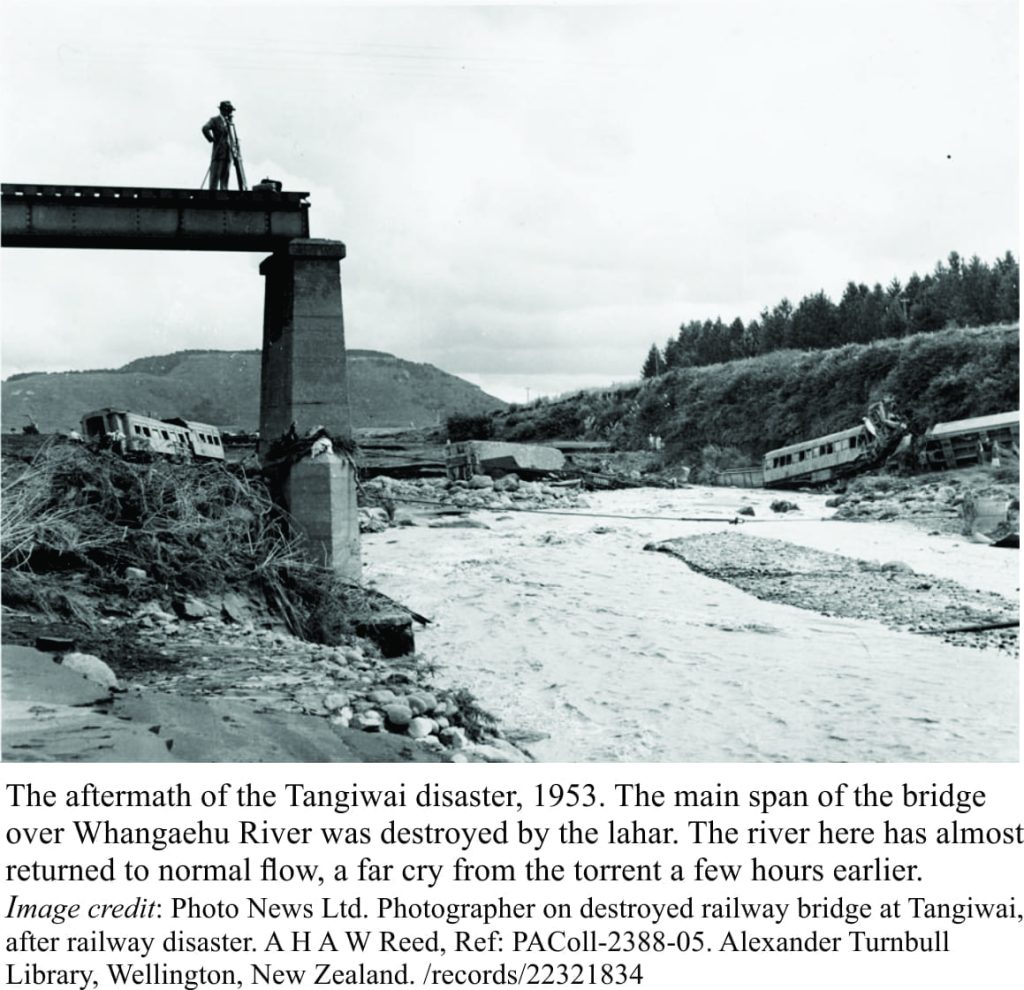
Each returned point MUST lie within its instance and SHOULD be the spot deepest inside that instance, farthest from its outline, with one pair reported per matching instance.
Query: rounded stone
(398, 714)
(421, 701)
(420, 727)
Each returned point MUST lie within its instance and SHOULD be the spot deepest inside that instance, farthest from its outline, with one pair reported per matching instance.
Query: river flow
(565, 627)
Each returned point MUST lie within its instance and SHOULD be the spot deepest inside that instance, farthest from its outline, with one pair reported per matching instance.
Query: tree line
(955, 294)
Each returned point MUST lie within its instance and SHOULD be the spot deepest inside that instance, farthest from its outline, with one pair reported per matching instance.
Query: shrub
(470, 427)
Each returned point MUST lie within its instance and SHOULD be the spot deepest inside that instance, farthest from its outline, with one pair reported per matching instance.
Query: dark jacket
(215, 130)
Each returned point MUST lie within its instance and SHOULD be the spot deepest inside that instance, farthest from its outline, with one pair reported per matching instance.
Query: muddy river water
(567, 629)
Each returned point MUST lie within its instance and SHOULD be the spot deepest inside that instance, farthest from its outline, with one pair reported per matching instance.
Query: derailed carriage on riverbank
(839, 454)
(814, 461)
(979, 440)
(946, 446)
(134, 435)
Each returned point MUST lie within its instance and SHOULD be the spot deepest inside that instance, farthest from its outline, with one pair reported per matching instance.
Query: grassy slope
(753, 405)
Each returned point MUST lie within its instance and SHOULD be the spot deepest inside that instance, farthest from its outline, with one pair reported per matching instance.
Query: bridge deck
(36, 215)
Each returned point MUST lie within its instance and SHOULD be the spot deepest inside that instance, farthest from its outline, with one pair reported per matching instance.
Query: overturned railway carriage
(817, 460)
(143, 435)
(979, 440)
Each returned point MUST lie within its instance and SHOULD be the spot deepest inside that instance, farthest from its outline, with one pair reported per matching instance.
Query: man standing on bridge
(217, 130)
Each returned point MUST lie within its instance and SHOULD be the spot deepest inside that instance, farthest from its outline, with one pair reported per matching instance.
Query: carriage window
(165, 434)
(801, 455)
(828, 448)
(137, 428)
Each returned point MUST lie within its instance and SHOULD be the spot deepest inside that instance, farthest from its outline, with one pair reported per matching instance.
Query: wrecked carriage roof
(975, 423)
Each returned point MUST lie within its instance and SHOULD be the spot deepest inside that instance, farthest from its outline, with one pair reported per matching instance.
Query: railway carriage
(142, 435)
(817, 460)
(981, 439)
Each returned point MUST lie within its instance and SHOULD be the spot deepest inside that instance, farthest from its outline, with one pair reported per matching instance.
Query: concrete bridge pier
(304, 383)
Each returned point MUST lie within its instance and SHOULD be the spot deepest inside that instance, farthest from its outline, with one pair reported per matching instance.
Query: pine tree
(775, 326)
(654, 365)
(815, 323)
(1007, 295)
(735, 335)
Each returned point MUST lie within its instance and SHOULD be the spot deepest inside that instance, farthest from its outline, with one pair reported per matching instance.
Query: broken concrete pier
(304, 387)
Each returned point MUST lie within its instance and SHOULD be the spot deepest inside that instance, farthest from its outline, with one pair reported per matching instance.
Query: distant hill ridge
(222, 387)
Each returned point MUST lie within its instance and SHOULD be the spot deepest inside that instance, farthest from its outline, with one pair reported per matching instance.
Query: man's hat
(226, 105)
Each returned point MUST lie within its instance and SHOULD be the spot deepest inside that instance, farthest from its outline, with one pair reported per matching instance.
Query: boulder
(92, 668)
(421, 727)
(192, 608)
(398, 714)
(896, 567)
(234, 608)
(335, 701)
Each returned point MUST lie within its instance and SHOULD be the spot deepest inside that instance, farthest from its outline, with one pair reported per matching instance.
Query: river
(565, 628)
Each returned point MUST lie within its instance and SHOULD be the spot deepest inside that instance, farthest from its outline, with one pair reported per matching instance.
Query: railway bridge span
(304, 380)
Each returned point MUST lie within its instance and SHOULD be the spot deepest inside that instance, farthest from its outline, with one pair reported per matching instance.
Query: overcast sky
(529, 195)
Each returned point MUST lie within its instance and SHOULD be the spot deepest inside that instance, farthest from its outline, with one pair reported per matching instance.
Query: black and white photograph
(493, 384)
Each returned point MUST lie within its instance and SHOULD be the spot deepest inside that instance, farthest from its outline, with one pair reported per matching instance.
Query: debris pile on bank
(187, 578)
(391, 501)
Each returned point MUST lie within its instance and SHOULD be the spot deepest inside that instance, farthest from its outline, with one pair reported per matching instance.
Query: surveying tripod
(235, 150)
(236, 155)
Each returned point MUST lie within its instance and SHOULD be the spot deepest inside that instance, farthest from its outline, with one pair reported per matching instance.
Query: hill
(735, 411)
(222, 387)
